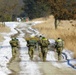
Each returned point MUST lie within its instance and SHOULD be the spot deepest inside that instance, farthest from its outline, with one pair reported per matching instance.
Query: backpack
(59, 43)
(14, 43)
(44, 42)
(32, 42)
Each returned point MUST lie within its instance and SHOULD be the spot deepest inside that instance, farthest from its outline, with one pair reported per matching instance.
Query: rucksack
(32, 42)
(44, 42)
(59, 43)
(14, 43)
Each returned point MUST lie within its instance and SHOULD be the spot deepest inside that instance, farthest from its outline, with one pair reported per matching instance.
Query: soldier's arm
(48, 42)
(55, 44)
(27, 43)
(10, 42)
(63, 45)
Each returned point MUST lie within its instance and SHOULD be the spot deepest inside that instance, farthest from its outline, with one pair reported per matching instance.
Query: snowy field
(5, 52)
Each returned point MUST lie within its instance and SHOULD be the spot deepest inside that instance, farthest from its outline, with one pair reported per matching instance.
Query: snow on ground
(32, 69)
(12, 25)
(64, 62)
(21, 33)
(34, 32)
(28, 67)
(2, 73)
(37, 22)
(52, 56)
(5, 49)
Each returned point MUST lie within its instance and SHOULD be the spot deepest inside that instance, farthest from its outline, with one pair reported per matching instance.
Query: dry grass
(2, 30)
(66, 30)
(1, 38)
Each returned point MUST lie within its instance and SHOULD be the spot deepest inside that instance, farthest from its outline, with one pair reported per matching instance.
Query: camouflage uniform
(14, 45)
(39, 47)
(44, 48)
(31, 44)
(59, 47)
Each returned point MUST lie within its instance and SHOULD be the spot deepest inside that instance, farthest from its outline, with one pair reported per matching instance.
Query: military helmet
(58, 38)
(12, 38)
(43, 37)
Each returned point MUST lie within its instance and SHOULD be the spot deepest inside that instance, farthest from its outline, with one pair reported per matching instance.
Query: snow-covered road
(35, 67)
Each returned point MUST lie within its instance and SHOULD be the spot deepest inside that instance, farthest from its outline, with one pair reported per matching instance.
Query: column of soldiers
(42, 43)
(42, 46)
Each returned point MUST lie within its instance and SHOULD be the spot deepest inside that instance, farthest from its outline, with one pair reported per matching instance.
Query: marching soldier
(31, 44)
(44, 43)
(59, 47)
(14, 45)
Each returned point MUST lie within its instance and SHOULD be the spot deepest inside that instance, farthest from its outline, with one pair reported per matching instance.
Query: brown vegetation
(66, 30)
(1, 38)
(3, 29)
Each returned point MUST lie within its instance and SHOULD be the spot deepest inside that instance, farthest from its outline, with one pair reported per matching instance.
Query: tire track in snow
(68, 61)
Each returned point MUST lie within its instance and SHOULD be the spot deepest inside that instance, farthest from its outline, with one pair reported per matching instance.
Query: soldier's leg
(40, 53)
(17, 54)
(45, 54)
(59, 54)
(13, 52)
(31, 53)
(13, 55)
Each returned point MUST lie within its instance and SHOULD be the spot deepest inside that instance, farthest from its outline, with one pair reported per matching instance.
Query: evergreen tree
(36, 8)
(8, 9)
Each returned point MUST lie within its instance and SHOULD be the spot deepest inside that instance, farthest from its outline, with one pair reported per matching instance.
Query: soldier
(39, 46)
(59, 47)
(14, 45)
(31, 44)
(44, 43)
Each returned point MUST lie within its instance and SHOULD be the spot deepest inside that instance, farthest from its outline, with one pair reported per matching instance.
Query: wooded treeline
(9, 9)
(61, 9)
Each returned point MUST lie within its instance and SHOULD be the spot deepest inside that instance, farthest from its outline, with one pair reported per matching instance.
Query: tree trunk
(55, 23)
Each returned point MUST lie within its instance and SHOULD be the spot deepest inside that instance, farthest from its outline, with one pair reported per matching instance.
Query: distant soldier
(14, 45)
(31, 44)
(44, 43)
(59, 47)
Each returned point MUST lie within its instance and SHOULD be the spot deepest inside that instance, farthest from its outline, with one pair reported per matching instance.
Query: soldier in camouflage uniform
(44, 43)
(14, 45)
(39, 46)
(31, 44)
(59, 47)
